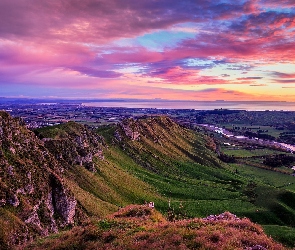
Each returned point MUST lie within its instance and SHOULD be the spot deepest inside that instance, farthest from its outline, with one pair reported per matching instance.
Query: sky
(196, 50)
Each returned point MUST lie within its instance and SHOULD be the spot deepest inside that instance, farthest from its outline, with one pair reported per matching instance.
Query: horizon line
(128, 99)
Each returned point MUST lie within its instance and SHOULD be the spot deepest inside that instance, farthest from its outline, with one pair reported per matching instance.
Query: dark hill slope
(33, 197)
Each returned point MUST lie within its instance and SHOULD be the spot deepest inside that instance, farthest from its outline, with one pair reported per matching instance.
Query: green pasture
(283, 234)
(240, 152)
(270, 129)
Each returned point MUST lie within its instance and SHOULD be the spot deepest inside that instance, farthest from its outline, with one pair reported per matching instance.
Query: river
(228, 134)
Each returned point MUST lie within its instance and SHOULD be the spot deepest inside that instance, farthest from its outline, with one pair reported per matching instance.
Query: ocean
(197, 105)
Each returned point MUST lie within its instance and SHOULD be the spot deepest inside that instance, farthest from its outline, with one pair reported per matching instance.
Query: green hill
(134, 162)
(183, 172)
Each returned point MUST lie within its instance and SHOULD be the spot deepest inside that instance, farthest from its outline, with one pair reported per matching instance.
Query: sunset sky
(145, 49)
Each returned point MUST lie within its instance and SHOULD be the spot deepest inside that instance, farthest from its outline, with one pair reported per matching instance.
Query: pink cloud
(71, 43)
(284, 75)
(258, 85)
(104, 20)
(50, 55)
(278, 4)
(211, 94)
(89, 20)
(183, 76)
(176, 75)
(137, 55)
(251, 7)
(284, 81)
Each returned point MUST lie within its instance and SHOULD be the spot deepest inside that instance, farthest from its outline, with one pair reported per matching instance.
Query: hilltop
(95, 172)
(142, 227)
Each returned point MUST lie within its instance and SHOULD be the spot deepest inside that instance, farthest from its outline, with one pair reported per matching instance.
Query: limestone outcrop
(33, 197)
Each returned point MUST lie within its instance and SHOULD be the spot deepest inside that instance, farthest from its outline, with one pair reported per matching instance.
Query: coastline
(196, 105)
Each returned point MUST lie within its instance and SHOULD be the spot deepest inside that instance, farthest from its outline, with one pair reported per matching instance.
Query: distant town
(49, 114)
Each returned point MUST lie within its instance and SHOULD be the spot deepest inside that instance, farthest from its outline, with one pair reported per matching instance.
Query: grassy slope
(172, 163)
(204, 189)
(102, 192)
(274, 199)
(174, 167)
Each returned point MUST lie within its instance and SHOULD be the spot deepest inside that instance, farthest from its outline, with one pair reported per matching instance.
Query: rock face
(33, 197)
(62, 201)
(130, 129)
(73, 144)
(154, 129)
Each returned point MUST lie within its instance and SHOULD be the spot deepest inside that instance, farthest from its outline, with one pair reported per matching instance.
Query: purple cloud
(97, 73)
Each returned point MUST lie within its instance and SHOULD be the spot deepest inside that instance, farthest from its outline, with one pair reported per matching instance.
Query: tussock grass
(141, 227)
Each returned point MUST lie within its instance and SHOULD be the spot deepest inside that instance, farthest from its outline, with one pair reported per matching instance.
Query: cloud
(97, 73)
(276, 4)
(258, 85)
(183, 76)
(177, 75)
(104, 45)
(283, 78)
(284, 81)
(229, 95)
(209, 90)
(283, 75)
(250, 78)
(102, 20)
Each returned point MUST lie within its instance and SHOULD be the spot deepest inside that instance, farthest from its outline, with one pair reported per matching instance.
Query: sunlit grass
(176, 169)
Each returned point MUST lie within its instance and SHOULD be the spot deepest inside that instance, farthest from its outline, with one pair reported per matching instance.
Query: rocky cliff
(73, 144)
(33, 197)
(54, 177)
